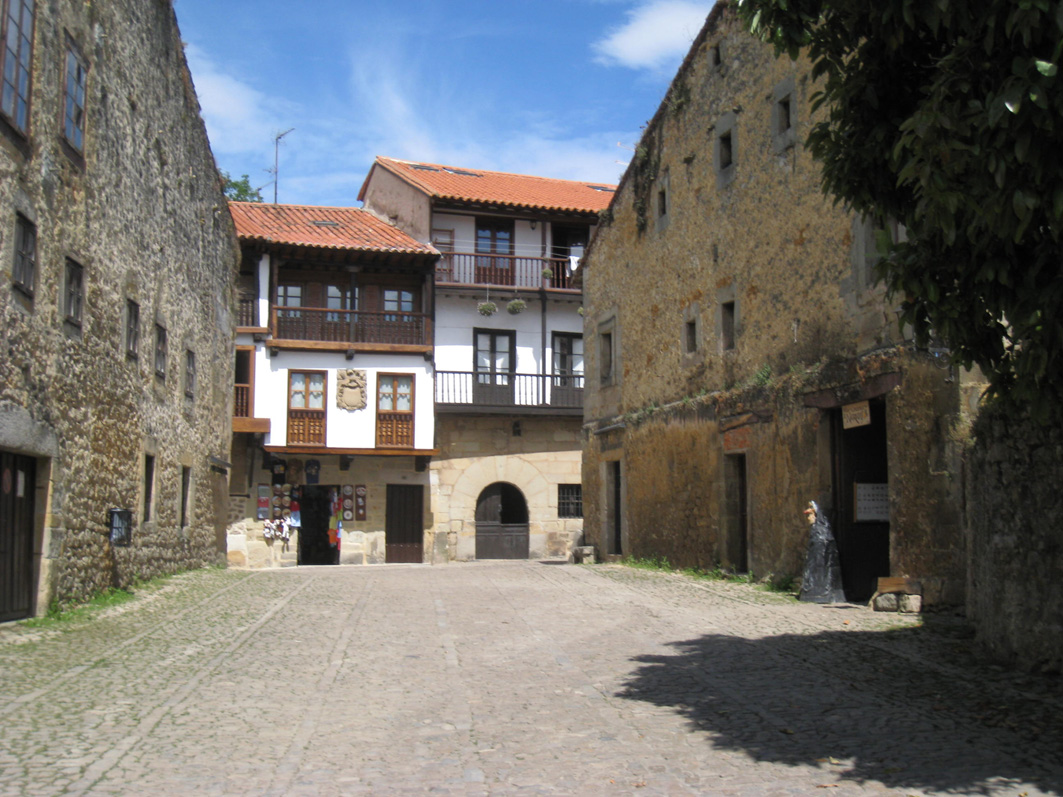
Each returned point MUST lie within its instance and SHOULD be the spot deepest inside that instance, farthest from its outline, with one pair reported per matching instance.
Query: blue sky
(547, 87)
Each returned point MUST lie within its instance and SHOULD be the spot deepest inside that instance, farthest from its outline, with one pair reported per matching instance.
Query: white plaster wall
(526, 241)
(456, 317)
(343, 429)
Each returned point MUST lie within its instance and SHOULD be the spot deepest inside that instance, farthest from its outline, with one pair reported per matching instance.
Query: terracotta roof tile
(321, 227)
(500, 188)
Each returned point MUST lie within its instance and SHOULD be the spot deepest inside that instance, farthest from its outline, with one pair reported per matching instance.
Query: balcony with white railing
(510, 271)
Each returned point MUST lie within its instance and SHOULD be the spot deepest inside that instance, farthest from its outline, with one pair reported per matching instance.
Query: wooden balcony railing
(350, 326)
(242, 402)
(394, 429)
(306, 427)
(509, 390)
(245, 311)
(504, 270)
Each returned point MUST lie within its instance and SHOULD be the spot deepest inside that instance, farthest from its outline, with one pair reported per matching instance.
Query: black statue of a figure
(822, 579)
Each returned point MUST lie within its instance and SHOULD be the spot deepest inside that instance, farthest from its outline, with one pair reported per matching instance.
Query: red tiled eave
(464, 185)
(322, 228)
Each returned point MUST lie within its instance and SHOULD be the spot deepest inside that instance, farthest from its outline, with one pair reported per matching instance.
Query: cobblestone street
(510, 678)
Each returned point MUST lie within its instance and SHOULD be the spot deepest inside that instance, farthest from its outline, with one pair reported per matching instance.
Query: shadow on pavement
(845, 701)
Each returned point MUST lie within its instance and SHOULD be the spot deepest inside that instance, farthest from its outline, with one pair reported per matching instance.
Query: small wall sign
(854, 415)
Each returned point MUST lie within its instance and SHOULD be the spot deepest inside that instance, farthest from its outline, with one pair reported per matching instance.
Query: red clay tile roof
(321, 227)
(499, 188)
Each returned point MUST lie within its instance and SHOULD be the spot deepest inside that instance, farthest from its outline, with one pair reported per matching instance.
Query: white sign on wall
(872, 503)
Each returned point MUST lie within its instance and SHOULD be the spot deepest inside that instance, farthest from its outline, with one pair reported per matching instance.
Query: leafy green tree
(947, 116)
(239, 190)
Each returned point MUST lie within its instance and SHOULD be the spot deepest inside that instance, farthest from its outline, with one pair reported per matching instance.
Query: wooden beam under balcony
(252, 425)
(357, 452)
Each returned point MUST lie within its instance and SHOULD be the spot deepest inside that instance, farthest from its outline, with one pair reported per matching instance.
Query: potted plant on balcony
(516, 306)
(487, 308)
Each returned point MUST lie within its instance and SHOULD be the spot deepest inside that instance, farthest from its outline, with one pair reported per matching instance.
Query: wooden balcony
(394, 429)
(314, 324)
(243, 420)
(306, 427)
(245, 310)
(511, 271)
(533, 394)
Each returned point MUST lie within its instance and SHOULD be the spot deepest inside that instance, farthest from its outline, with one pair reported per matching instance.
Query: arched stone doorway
(501, 523)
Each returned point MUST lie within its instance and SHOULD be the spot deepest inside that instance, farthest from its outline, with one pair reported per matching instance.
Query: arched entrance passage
(501, 523)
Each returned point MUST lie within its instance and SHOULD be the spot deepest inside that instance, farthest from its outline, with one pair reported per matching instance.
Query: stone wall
(535, 454)
(1015, 589)
(140, 209)
(739, 310)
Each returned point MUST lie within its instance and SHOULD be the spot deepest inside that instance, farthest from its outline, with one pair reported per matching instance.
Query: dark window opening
(74, 295)
(132, 328)
(160, 351)
(606, 355)
(727, 325)
(782, 117)
(186, 488)
(74, 102)
(149, 485)
(190, 373)
(726, 152)
(570, 500)
(25, 270)
(662, 202)
(16, 63)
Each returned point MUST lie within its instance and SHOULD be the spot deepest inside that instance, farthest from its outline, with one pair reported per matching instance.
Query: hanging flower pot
(516, 306)
(487, 308)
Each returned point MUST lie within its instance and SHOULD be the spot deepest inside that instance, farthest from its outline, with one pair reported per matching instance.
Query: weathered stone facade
(477, 451)
(731, 316)
(138, 208)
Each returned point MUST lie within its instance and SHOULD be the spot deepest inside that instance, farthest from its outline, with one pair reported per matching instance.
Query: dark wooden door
(17, 485)
(502, 523)
(404, 529)
(860, 460)
(315, 547)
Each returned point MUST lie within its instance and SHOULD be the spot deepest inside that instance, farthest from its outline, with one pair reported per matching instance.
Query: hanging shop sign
(854, 415)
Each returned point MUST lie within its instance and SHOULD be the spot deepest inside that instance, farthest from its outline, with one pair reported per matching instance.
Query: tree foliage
(239, 190)
(947, 116)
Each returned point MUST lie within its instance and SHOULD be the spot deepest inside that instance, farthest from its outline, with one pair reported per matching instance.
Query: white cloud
(239, 118)
(656, 35)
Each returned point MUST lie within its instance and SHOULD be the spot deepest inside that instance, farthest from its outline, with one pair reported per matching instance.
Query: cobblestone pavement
(496, 678)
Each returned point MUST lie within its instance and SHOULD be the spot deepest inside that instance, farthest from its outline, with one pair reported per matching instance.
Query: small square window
(727, 326)
(25, 270)
(74, 295)
(160, 351)
(190, 373)
(132, 329)
(570, 500)
(74, 100)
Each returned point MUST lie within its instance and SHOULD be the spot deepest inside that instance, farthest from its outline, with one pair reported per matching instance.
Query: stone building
(508, 352)
(116, 317)
(334, 424)
(741, 360)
